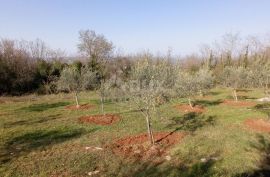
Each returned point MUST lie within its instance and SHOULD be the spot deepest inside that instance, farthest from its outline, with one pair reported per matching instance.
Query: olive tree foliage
(147, 86)
(89, 79)
(236, 78)
(191, 84)
(71, 81)
(186, 86)
(205, 81)
(261, 76)
(74, 79)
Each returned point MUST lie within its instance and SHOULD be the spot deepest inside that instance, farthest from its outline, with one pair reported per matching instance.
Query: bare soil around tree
(101, 119)
(138, 146)
(258, 125)
(187, 109)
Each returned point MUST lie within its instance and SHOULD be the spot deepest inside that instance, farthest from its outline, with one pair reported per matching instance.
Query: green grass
(38, 137)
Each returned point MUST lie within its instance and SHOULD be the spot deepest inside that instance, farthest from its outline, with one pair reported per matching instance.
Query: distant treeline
(31, 66)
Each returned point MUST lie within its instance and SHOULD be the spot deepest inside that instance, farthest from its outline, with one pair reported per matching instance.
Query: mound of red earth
(138, 146)
(187, 108)
(81, 107)
(106, 119)
(239, 103)
(259, 125)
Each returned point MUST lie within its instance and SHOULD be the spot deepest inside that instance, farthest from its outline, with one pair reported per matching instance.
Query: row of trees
(155, 81)
(145, 80)
(27, 66)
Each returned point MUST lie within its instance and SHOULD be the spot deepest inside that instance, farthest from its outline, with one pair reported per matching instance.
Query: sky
(133, 25)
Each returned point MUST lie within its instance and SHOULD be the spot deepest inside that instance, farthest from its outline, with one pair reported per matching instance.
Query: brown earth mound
(259, 125)
(239, 103)
(187, 108)
(81, 107)
(106, 119)
(138, 146)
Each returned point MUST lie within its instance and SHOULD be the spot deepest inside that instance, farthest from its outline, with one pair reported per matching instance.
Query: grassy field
(38, 137)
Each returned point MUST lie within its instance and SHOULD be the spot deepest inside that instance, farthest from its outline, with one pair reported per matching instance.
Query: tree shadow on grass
(28, 142)
(244, 90)
(191, 121)
(198, 169)
(129, 111)
(263, 146)
(241, 97)
(246, 97)
(206, 103)
(44, 106)
(263, 108)
(31, 122)
(213, 93)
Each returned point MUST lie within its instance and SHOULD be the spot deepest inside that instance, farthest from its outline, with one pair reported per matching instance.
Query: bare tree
(95, 46)
(38, 49)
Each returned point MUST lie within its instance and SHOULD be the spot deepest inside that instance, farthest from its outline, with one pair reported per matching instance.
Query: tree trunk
(189, 102)
(235, 95)
(77, 101)
(102, 96)
(201, 93)
(102, 105)
(267, 89)
(150, 133)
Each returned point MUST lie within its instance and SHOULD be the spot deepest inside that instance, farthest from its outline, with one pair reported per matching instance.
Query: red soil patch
(81, 107)
(187, 108)
(138, 146)
(259, 125)
(106, 119)
(239, 103)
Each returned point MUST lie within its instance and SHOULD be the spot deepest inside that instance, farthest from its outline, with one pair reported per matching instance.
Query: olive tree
(186, 86)
(147, 85)
(89, 79)
(236, 78)
(71, 81)
(191, 84)
(261, 76)
(204, 81)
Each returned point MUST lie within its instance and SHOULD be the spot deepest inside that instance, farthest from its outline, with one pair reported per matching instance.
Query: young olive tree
(261, 76)
(89, 79)
(104, 89)
(71, 81)
(191, 84)
(205, 81)
(186, 86)
(146, 86)
(236, 78)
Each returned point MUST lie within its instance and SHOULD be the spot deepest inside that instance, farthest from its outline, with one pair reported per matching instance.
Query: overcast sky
(133, 25)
